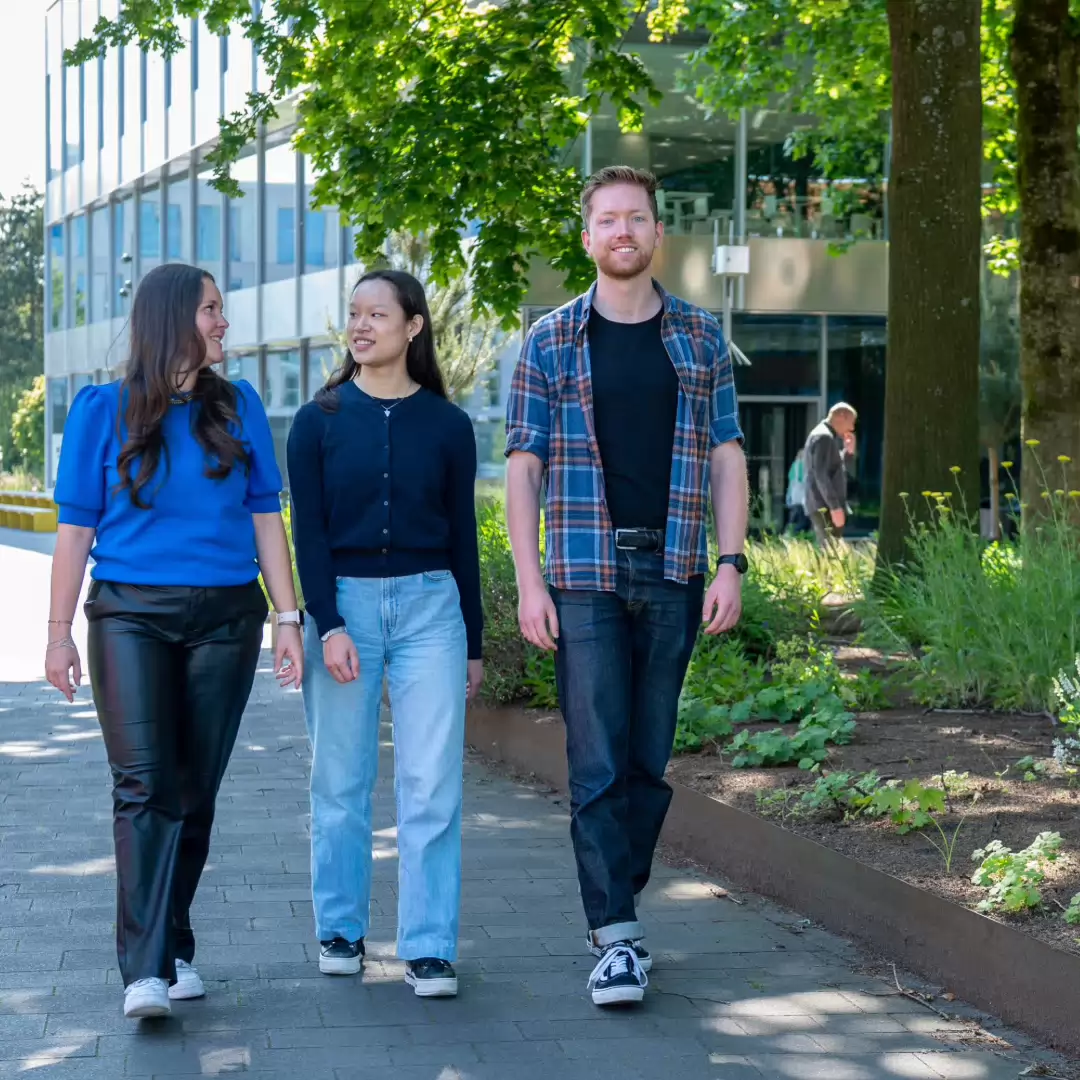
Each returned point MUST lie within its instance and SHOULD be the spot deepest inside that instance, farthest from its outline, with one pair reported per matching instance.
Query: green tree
(21, 305)
(423, 118)
(28, 427)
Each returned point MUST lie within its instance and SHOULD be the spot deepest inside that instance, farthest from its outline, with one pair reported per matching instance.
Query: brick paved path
(737, 991)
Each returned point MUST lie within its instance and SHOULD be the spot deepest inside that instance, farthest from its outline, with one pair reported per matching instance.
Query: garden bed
(916, 744)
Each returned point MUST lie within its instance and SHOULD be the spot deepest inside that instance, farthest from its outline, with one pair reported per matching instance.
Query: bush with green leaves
(983, 623)
(1014, 877)
(909, 806)
(1072, 912)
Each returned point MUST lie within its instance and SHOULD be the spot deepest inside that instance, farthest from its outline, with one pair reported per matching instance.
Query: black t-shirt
(635, 397)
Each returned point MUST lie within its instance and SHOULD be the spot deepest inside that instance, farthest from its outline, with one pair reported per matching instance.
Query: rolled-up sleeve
(264, 476)
(80, 477)
(528, 407)
(723, 404)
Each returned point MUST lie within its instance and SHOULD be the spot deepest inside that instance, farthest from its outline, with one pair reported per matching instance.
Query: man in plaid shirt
(623, 402)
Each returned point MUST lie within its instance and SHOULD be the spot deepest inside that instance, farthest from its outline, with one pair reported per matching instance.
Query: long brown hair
(420, 361)
(166, 345)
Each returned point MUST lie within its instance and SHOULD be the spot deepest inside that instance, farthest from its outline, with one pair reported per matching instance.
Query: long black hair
(165, 345)
(420, 360)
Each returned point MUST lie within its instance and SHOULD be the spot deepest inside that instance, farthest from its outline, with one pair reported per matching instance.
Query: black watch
(739, 561)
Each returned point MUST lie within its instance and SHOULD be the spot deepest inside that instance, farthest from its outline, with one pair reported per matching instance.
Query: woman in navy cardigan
(167, 478)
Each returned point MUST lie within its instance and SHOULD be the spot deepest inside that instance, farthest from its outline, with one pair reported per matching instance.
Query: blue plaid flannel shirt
(550, 414)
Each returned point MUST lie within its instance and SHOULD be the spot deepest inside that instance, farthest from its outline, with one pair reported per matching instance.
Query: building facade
(128, 188)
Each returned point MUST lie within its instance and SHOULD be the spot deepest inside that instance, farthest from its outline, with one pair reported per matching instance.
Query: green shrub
(983, 624)
(1013, 878)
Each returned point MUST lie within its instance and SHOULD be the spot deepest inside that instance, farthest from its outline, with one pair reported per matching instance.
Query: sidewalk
(737, 992)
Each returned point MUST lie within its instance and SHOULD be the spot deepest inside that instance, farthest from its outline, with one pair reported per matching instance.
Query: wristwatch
(332, 633)
(288, 618)
(740, 562)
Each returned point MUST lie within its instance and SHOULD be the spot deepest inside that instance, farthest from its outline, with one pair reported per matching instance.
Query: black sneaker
(341, 957)
(618, 979)
(644, 957)
(431, 977)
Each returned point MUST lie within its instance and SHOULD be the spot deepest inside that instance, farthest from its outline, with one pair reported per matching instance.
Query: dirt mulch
(916, 744)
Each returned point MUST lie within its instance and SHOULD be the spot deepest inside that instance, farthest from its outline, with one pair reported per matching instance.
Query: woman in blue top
(168, 479)
(382, 470)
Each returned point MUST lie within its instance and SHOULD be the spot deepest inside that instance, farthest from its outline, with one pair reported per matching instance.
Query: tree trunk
(1045, 53)
(932, 374)
(995, 495)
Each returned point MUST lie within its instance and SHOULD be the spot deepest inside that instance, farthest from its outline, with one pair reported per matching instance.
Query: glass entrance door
(775, 432)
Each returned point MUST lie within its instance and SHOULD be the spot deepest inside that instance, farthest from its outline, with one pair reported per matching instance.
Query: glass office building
(128, 188)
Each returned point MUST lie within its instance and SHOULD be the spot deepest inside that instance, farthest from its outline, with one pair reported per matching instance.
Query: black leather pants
(171, 669)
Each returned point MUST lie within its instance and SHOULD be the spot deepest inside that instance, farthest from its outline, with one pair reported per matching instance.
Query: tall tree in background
(22, 285)
(1045, 54)
(932, 374)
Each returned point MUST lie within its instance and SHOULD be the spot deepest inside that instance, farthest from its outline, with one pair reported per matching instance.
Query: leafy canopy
(424, 116)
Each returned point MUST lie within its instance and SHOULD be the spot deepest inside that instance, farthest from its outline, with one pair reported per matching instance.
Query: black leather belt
(639, 539)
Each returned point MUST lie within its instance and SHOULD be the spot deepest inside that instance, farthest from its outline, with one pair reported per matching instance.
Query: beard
(623, 267)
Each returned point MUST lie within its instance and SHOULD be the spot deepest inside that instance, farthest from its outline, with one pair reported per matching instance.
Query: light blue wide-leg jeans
(412, 628)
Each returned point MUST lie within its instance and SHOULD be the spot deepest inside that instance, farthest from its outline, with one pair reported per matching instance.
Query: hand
(63, 668)
(289, 656)
(723, 601)
(474, 679)
(849, 442)
(537, 618)
(838, 518)
(341, 658)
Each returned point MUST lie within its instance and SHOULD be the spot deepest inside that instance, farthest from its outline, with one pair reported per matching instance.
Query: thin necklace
(387, 409)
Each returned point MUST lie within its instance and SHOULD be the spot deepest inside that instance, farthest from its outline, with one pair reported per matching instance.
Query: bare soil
(912, 743)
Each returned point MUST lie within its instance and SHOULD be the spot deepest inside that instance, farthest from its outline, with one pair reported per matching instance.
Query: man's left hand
(723, 601)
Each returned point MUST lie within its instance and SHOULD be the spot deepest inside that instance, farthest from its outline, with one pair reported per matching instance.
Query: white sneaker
(147, 997)
(188, 985)
(618, 979)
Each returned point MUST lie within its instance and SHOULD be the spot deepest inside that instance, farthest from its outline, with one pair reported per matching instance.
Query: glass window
(281, 388)
(57, 393)
(857, 376)
(322, 230)
(93, 94)
(242, 224)
(149, 229)
(243, 366)
(281, 396)
(783, 351)
(321, 361)
(280, 217)
(123, 269)
(100, 295)
(56, 253)
(73, 87)
(208, 237)
(79, 381)
(54, 97)
(177, 245)
(79, 268)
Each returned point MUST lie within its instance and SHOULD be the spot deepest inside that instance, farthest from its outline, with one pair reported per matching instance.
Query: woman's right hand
(63, 668)
(341, 658)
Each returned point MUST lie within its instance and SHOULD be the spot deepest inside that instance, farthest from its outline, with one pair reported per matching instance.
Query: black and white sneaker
(341, 957)
(431, 977)
(618, 979)
(644, 957)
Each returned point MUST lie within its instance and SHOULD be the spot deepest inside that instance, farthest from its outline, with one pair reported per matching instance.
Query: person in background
(828, 448)
(623, 402)
(167, 478)
(795, 496)
(383, 473)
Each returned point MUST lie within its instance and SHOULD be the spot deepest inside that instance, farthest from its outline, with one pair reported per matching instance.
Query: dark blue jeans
(620, 665)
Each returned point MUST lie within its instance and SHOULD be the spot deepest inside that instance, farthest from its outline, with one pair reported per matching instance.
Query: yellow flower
(1046, 494)
(1031, 443)
(1060, 491)
(904, 495)
(955, 469)
(927, 494)
(1006, 464)
(1074, 494)
(1064, 459)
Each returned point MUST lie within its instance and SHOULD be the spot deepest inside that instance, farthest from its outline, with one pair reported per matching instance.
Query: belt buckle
(620, 534)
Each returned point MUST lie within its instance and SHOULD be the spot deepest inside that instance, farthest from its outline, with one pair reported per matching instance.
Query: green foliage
(910, 806)
(424, 118)
(983, 624)
(1030, 769)
(28, 428)
(1013, 878)
(806, 747)
(22, 294)
(1072, 912)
